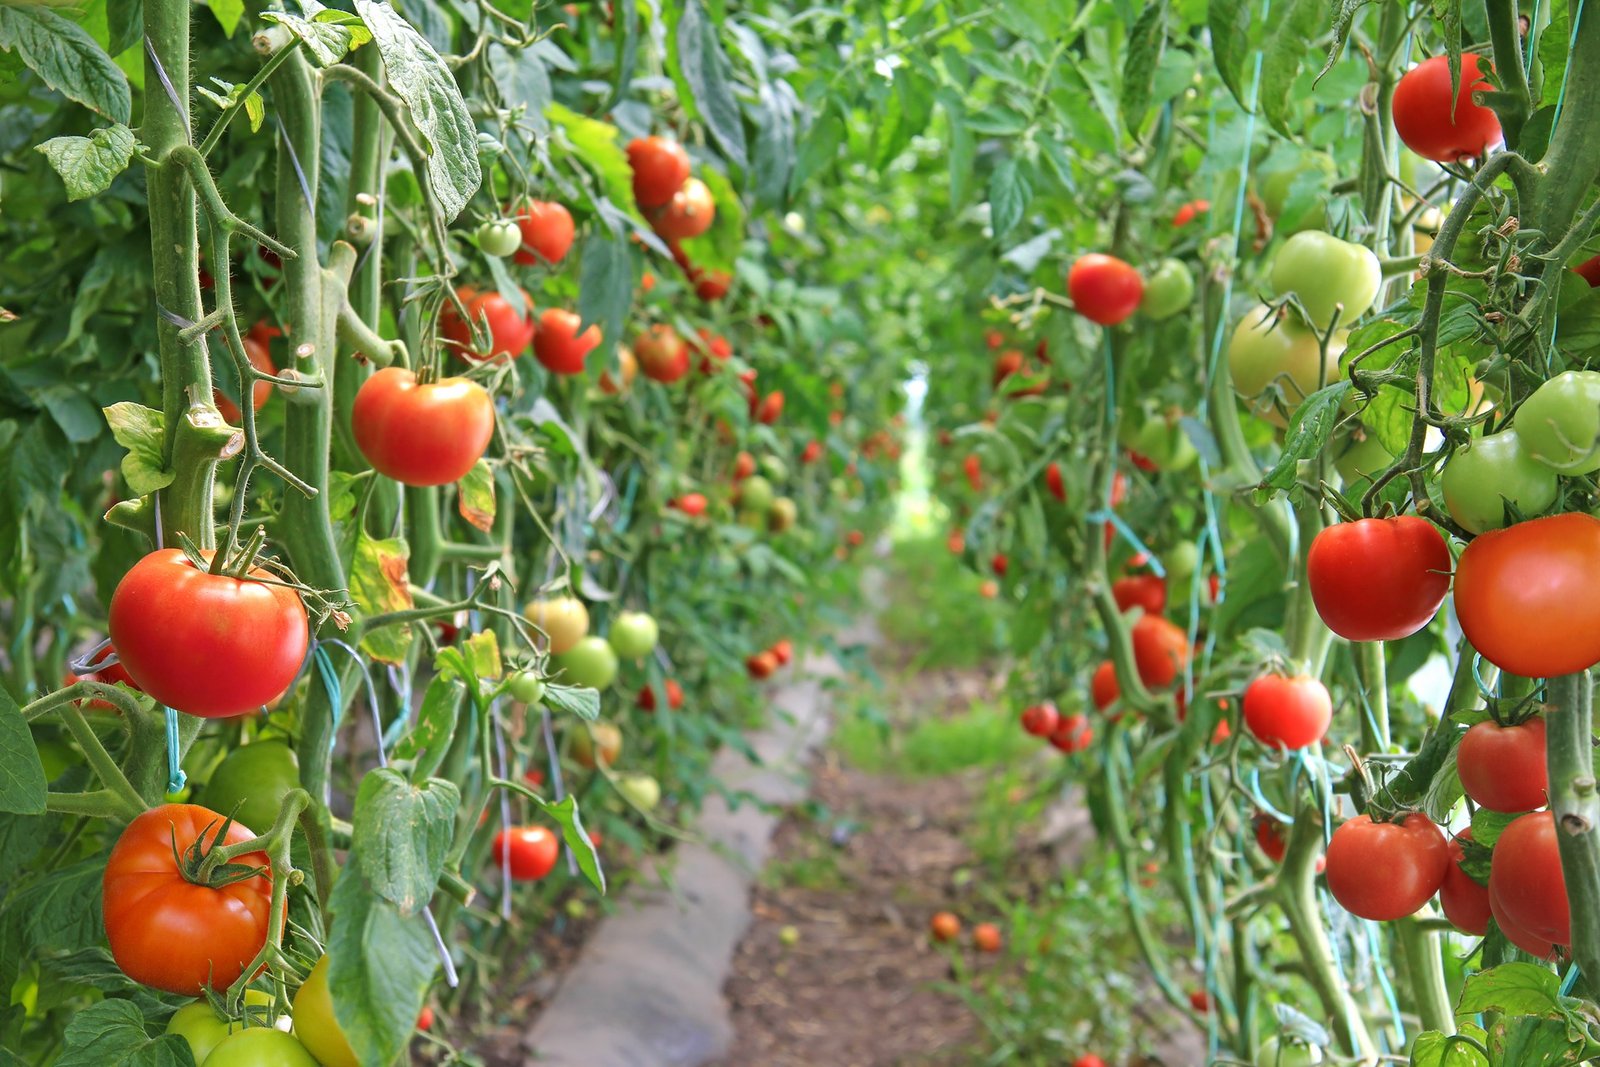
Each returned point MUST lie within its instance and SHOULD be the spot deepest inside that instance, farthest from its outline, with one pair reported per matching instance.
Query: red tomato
(689, 213)
(1072, 733)
(691, 504)
(783, 650)
(1000, 564)
(1145, 591)
(509, 332)
(111, 675)
(1185, 214)
(1378, 579)
(169, 932)
(647, 696)
(1287, 712)
(1589, 271)
(662, 354)
(1523, 595)
(260, 355)
(530, 852)
(1160, 650)
(1200, 1000)
(993, 338)
(1526, 879)
(1006, 364)
(1269, 837)
(744, 465)
(1439, 125)
(986, 937)
(761, 664)
(956, 542)
(711, 285)
(1041, 720)
(1054, 483)
(716, 348)
(1103, 688)
(1527, 941)
(647, 282)
(1090, 1060)
(812, 453)
(974, 469)
(660, 167)
(1383, 870)
(1104, 289)
(425, 1018)
(1143, 462)
(944, 926)
(1119, 489)
(207, 644)
(546, 232)
(1502, 768)
(421, 434)
(1465, 902)
(558, 344)
(770, 408)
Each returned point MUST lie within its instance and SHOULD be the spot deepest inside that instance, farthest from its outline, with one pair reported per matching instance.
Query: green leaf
(627, 51)
(420, 78)
(605, 286)
(1229, 21)
(22, 783)
(1343, 19)
(596, 144)
(1487, 826)
(1009, 194)
(404, 831)
(565, 813)
(228, 13)
(705, 70)
(111, 1034)
(483, 651)
(1433, 1049)
(584, 703)
(124, 24)
(88, 165)
(62, 53)
(325, 42)
(475, 494)
(961, 144)
(381, 963)
(1146, 42)
(429, 740)
(818, 148)
(774, 152)
(1511, 989)
(1310, 428)
(1294, 25)
(140, 430)
(379, 584)
(524, 82)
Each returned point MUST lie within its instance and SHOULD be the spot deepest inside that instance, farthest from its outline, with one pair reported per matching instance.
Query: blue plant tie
(176, 779)
(330, 681)
(1132, 538)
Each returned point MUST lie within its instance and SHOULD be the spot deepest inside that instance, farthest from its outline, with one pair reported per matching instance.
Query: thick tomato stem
(1575, 801)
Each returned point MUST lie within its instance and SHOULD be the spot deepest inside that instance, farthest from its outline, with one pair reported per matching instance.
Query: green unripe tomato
(1181, 560)
(1165, 444)
(755, 494)
(1168, 291)
(260, 1046)
(633, 634)
(782, 515)
(1559, 425)
(499, 238)
(1277, 1052)
(775, 468)
(590, 663)
(526, 687)
(1481, 478)
(1294, 189)
(204, 1029)
(1324, 272)
(1266, 352)
(1363, 460)
(251, 782)
(640, 790)
(315, 1024)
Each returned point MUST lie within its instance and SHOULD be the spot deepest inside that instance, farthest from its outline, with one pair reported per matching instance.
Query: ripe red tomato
(421, 434)
(647, 696)
(1384, 870)
(1465, 902)
(710, 285)
(1160, 650)
(770, 408)
(1527, 941)
(1269, 836)
(1041, 720)
(1589, 271)
(509, 332)
(1104, 289)
(1526, 880)
(257, 349)
(761, 664)
(111, 675)
(1200, 1000)
(956, 542)
(689, 213)
(1287, 712)
(662, 354)
(1378, 579)
(425, 1018)
(1006, 364)
(715, 349)
(944, 926)
(691, 504)
(974, 470)
(1502, 768)
(1523, 595)
(986, 937)
(1186, 213)
(783, 651)
(1053, 482)
(1000, 564)
(1147, 591)
(1439, 125)
(546, 232)
(744, 465)
(812, 453)
(1090, 1060)
(1103, 687)
(1119, 489)
(1072, 733)
(529, 851)
(660, 167)
(558, 344)
(169, 932)
(207, 644)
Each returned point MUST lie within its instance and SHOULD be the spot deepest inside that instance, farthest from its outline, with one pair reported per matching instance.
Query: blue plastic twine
(176, 779)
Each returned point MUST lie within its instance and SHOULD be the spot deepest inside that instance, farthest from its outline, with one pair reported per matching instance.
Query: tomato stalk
(1575, 802)
(119, 799)
(1424, 960)
(1372, 670)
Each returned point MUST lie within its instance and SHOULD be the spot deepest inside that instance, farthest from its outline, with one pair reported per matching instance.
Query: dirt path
(837, 968)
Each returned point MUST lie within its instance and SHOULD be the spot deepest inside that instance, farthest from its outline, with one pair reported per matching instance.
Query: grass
(938, 612)
(984, 735)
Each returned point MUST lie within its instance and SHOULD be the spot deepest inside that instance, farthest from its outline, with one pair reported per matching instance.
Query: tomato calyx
(207, 863)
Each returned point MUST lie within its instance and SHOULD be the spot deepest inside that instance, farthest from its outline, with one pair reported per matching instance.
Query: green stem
(1514, 102)
(1575, 802)
(1419, 947)
(105, 767)
(1372, 669)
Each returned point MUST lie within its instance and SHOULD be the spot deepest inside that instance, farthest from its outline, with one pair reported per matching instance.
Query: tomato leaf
(596, 144)
(1146, 42)
(88, 165)
(1511, 989)
(139, 429)
(325, 43)
(1229, 21)
(1434, 1049)
(818, 148)
(483, 649)
(378, 584)
(111, 1034)
(605, 288)
(475, 496)
(960, 141)
(565, 812)
(22, 782)
(704, 69)
(428, 741)
(1009, 193)
(1287, 44)
(381, 963)
(227, 13)
(404, 834)
(584, 703)
(420, 78)
(67, 59)
(1310, 427)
